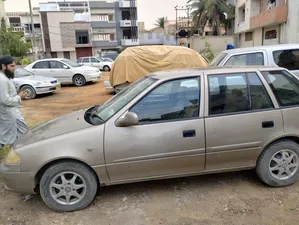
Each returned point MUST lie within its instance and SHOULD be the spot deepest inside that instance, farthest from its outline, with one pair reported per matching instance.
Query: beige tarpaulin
(136, 62)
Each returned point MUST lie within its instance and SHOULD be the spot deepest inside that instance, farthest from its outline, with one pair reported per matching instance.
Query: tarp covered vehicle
(136, 62)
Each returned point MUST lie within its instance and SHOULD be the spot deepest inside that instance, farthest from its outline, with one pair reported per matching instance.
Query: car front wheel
(68, 186)
(278, 165)
(30, 92)
(79, 80)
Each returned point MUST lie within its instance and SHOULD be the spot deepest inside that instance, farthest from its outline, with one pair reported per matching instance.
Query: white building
(267, 22)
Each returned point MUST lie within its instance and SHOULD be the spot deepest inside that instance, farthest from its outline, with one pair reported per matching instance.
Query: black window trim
(174, 120)
(249, 92)
(275, 96)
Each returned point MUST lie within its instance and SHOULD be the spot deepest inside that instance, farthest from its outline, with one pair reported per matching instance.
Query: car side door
(86, 61)
(242, 115)
(169, 139)
(96, 63)
(61, 72)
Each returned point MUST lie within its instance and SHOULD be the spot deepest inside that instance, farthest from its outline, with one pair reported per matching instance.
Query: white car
(65, 71)
(33, 85)
(101, 64)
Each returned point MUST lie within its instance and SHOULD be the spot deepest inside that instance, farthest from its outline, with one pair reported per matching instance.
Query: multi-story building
(114, 24)
(267, 22)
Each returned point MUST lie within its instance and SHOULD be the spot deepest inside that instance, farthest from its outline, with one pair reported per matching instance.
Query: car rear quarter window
(247, 59)
(41, 65)
(284, 86)
(288, 59)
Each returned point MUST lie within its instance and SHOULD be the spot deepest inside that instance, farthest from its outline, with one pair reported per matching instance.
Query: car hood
(35, 78)
(62, 125)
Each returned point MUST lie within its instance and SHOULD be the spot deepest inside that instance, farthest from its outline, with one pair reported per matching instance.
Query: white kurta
(12, 124)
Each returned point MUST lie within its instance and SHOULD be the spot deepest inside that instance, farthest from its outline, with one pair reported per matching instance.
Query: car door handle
(189, 133)
(267, 124)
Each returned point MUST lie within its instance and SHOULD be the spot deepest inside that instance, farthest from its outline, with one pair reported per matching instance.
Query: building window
(242, 14)
(271, 34)
(248, 36)
(104, 37)
(103, 18)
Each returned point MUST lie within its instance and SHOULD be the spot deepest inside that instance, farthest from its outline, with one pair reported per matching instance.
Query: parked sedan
(34, 85)
(65, 71)
(168, 124)
(101, 64)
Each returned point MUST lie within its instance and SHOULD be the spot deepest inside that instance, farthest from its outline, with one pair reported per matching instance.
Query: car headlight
(13, 158)
(42, 83)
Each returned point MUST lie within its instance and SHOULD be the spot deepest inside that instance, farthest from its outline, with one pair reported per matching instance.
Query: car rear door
(242, 115)
(41, 68)
(96, 63)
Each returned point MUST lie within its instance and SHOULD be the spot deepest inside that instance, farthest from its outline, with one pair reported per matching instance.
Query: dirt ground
(225, 199)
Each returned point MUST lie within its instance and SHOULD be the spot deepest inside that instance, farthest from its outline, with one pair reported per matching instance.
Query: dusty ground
(229, 199)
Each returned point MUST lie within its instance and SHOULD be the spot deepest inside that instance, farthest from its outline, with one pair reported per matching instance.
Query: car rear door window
(288, 59)
(173, 100)
(284, 86)
(246, 59)
(230, 96)
(259, 95)
(41, 65)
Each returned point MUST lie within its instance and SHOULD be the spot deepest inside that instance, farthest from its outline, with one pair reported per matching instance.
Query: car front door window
(246, 59)
(173, 100)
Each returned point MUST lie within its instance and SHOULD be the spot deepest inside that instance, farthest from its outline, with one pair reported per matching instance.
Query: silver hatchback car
(168, 124)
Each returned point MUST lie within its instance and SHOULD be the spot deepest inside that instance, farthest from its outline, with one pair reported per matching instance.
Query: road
(226, 199)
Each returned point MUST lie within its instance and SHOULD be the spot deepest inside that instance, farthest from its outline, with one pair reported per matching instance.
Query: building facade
(267, 22)
(113, 24)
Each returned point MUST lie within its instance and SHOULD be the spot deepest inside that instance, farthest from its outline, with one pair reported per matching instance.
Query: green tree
(207, 51)
(214, 12)
(3, 24)
(160, 22)
(12, 44)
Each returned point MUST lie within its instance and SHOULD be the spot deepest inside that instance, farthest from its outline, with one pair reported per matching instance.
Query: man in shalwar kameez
(12, 124)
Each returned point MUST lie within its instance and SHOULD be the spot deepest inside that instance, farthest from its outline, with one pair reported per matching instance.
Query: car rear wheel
(79, 80)
(106, 68)
(278, 165)
(31, 94)
(68, 186)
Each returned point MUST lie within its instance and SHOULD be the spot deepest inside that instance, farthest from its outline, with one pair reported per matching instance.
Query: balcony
(101, 4)
(103, 24)
(272, 16)
(127, 4)
(98, 43)
(129, 42)
(128, 23)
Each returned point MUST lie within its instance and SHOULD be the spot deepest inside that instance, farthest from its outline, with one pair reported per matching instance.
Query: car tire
(106, 68)
(30, 90)
(278, 165)
(79, 80)
(68, 186)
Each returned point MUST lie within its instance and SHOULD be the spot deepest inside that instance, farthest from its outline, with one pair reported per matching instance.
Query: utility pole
(183, 8)
(32, 31)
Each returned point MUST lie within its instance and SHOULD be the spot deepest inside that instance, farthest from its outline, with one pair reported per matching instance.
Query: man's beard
(9, 74)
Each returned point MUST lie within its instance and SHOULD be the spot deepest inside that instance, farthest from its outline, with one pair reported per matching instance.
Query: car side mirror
(129, 119)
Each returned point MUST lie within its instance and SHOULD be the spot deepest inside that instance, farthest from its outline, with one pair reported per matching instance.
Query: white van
(284, 55)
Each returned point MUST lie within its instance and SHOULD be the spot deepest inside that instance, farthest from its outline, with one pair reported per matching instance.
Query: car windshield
(218, 59)
(71, 63)
(111, 107)
(20, 72)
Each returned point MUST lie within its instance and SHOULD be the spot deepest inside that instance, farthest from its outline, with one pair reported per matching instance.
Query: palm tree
(160, 22)
(215, 12)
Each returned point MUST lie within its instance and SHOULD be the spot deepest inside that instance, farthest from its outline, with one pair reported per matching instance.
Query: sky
(148, 10)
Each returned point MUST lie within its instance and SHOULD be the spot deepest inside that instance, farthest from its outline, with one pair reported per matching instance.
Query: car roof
(179, 73)
(266, 47)
(53, 59)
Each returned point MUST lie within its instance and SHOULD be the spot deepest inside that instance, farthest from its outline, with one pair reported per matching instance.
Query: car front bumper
(22, 182)
(48, 89)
